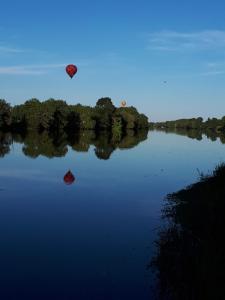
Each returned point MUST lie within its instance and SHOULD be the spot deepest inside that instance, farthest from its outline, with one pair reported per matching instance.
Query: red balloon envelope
(69, 178)
(71, 70)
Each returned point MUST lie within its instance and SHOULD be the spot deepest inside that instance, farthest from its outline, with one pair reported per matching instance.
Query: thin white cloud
(212, 65)
(186, 41)
(213, 73)
(214, 68)
(29, 69)
(19, 71)
(215, 65)
(38, 69)
(197, 74)
(4, 49)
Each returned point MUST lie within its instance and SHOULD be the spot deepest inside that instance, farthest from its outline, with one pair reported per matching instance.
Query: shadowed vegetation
(190, 262)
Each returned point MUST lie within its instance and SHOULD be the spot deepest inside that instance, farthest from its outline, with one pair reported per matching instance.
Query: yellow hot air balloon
(123, 103)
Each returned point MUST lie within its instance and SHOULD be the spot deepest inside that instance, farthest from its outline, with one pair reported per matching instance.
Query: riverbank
(214, 124)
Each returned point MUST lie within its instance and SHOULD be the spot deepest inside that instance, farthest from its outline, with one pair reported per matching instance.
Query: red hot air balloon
(71, 70)
(69, 178)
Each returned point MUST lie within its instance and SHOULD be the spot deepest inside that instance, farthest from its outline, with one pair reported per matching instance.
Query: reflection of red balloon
(69, 178)
(71, 70)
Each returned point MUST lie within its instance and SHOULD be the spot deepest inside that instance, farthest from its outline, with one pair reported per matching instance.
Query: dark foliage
(190, 262)
(5, 114)
(56, 115)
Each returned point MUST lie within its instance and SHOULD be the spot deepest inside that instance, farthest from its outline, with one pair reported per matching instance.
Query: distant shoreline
(214, 124)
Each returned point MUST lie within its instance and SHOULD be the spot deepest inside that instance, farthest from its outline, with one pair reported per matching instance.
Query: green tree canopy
(5, 114)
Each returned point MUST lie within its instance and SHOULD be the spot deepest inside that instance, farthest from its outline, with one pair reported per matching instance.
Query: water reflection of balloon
(69, 178)
(71, 70)
(123, 103)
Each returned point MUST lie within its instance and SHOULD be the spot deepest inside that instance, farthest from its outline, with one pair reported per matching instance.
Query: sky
(166, 58)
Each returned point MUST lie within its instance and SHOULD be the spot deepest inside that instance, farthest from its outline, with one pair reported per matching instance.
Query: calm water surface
(92, 239)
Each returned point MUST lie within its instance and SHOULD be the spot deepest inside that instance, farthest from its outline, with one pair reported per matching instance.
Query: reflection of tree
(36, 144)
(81, 140)
(222, 138)
(212, 135)
(191, 262)
(105, 142)
(191, 133)
(104, 145)
(133, 138)
(196, 133)
(5, 142)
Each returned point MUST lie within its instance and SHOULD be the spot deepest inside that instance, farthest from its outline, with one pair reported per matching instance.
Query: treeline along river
(56, 115)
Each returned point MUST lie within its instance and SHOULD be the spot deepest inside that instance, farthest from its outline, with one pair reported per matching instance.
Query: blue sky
(123, 49)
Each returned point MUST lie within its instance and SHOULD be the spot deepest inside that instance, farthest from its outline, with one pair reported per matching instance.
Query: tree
(131, 119)
(85, 116)
(104, 110)
(32, 113)
(5, 114)
(105, 103)
(57, 116)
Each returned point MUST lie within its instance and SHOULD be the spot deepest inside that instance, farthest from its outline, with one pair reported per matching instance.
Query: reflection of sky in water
(95, 237)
